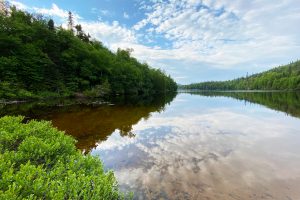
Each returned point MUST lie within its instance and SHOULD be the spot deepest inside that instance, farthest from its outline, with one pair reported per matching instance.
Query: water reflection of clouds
(115, 141)
(215, 153)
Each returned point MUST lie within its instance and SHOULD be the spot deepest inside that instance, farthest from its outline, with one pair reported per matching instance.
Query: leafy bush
(39, 162)
(99, 90)
(11, 91)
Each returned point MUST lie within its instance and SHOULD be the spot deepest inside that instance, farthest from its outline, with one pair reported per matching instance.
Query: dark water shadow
(92, 121)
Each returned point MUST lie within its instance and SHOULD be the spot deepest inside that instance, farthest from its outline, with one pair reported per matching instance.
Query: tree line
(285, 77)
(40, 59)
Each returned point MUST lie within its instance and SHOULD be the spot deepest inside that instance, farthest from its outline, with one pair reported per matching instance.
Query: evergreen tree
(70, 21)
(51, 24)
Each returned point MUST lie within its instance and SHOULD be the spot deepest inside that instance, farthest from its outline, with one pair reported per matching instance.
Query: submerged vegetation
(38, 59)
(281, 78)
(39, 162)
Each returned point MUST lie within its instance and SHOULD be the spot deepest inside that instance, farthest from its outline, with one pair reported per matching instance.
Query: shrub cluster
(39, 162)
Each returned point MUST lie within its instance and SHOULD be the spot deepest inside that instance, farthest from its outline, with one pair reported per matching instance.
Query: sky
(192, 40)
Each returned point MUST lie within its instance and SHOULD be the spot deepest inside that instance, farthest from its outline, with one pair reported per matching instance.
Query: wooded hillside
(39, 59)
(280, 78)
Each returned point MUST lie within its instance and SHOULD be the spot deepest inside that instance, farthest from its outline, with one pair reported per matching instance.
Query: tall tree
(51, 24)
(78, 29)
(70, 21)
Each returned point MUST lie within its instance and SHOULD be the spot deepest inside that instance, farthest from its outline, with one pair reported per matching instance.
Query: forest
(285, 77)
(40, 59)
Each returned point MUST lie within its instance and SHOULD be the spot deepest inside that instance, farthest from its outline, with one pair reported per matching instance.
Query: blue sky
(192, 40)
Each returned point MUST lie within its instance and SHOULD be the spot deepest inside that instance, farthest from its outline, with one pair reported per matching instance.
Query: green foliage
(51, 24)
(281, 78)
(99, 90)
(38, 57)
(12, 91)
(39, 162)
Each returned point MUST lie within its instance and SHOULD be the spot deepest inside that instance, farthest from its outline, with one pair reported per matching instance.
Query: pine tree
(70, 21)
(51, 24)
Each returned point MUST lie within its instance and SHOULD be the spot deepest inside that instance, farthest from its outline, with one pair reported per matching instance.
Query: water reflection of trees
(288, 102)
(90, 122)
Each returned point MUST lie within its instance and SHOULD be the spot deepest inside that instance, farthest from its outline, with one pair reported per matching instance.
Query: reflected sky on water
(193, 146)
(208, 148)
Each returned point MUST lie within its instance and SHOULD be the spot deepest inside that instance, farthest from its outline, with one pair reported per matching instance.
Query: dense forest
(280, 78)
(39, 59)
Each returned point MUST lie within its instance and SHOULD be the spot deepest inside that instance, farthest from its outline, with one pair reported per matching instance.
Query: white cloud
(125, 15)
(55, 11)
(18, 5)
(115, 141)
(104, 12)
(109, 33)
(227, 34)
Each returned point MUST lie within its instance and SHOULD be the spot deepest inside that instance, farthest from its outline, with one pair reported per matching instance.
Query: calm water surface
(195, 146)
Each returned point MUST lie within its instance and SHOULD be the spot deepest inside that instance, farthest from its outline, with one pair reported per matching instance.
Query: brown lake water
(222, 145)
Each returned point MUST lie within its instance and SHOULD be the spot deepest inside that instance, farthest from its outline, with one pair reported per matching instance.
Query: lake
(199, 145)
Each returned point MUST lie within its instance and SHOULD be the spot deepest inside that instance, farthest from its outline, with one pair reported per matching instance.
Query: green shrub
(39, 162)
(99, 90)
